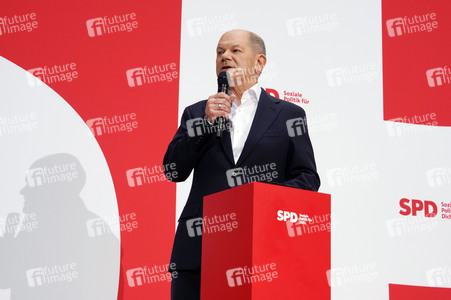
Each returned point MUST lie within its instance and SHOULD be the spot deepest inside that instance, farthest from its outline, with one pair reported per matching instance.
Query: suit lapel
(226, 144)
(267, 111)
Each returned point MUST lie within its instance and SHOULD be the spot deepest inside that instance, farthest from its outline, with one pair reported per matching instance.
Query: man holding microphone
(256, 133)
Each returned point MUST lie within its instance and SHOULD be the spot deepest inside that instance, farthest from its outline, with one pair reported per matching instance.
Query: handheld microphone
(223, 86)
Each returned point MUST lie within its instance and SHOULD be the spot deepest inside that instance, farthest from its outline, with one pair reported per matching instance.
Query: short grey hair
(257, 43)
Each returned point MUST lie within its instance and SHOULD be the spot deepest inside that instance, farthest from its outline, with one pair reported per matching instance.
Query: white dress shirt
(241, 118)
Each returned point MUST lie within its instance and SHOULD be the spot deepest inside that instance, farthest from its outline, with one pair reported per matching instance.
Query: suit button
(233, 174)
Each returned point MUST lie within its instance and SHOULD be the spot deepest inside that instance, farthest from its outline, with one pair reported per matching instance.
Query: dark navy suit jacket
(269, 141)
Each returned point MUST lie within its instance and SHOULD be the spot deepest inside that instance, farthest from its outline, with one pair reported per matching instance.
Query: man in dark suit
(265, 137)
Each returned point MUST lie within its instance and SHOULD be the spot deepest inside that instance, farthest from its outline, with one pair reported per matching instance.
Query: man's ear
(260, 63)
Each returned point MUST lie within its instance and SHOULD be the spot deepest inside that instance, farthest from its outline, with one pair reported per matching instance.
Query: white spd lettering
(283, 215)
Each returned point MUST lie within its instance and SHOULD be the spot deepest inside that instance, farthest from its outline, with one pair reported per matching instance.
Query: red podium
(263, 241)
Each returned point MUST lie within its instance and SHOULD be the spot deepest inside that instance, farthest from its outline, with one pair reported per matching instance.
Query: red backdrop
(60, 36)
(415, 38)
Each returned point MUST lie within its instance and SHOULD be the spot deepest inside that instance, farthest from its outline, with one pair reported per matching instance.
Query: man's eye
(220, 52)
(236, 50)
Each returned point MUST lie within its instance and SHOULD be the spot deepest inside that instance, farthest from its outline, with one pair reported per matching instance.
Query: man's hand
(218, 105)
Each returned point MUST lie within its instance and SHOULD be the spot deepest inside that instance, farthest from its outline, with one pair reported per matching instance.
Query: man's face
(234, 54)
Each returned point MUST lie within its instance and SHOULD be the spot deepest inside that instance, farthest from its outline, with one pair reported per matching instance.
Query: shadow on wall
(57, 249)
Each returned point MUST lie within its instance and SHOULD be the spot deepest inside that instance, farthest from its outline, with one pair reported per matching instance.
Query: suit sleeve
(301, 166)
(184, 150)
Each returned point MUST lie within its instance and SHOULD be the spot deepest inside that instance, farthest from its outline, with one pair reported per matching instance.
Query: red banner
(417, 70)
(117, 64)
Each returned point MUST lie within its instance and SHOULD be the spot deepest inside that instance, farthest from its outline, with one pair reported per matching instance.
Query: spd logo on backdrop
(427, 208)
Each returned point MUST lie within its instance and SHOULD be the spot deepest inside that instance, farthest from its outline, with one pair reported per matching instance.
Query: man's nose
(226, 55)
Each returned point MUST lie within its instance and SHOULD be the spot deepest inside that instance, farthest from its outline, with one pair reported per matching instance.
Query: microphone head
(223, 79)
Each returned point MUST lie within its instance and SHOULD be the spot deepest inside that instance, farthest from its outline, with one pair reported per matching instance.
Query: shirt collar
(253, 93)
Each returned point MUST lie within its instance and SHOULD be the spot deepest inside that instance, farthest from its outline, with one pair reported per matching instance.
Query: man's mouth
(224, 68)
